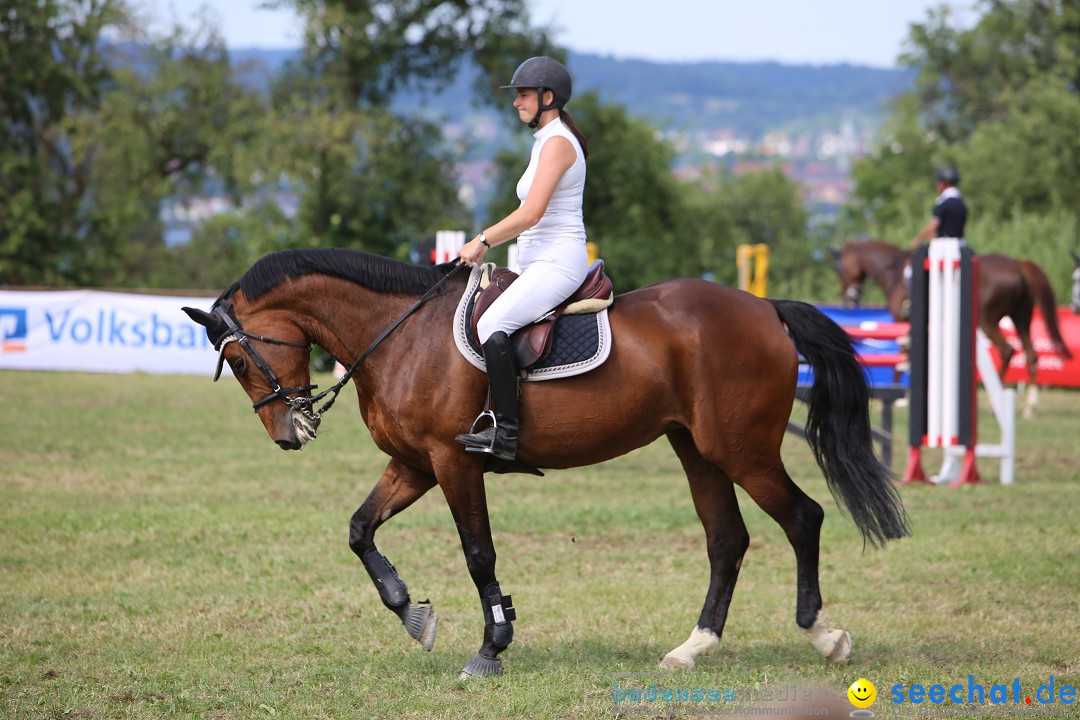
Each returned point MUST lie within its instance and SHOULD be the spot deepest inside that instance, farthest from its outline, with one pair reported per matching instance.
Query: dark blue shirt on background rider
(950, 212)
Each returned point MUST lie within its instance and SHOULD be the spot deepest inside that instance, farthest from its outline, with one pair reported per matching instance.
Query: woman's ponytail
(569, 122)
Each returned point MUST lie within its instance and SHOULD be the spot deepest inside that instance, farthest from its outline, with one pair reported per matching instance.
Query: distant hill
(750, 99)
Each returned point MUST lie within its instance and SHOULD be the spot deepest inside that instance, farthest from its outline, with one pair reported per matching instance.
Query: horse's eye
(239, 366)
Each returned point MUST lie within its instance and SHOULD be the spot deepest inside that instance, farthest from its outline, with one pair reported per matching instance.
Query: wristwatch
(483, 239)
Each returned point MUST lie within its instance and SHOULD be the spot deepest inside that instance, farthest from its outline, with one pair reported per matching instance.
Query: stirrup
(474, 441)
(471, 440)
(485, 414)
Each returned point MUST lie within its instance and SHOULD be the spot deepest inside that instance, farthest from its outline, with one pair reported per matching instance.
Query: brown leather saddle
(532, 343)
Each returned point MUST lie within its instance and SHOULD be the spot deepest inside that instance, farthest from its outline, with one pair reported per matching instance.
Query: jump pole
(946, 345)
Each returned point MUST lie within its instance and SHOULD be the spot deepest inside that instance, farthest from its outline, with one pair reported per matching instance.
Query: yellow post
(594, 252)
(752, 262)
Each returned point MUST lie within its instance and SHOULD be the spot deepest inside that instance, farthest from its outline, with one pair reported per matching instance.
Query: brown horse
(713, 369)
(1007, 288)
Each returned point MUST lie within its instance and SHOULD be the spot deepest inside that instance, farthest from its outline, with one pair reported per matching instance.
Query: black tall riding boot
(501, 438)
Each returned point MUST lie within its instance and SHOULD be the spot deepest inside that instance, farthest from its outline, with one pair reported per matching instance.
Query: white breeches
(551, 272)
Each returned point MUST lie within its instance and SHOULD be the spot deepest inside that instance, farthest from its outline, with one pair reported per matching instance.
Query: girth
(533, 342)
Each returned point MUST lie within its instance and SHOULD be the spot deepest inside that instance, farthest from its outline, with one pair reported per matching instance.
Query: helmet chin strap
(541, 107)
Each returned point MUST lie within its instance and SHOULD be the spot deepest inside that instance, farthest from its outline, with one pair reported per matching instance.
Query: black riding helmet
(543, 73)
(949, 176)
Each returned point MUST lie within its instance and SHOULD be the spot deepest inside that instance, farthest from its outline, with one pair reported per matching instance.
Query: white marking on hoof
(832, 644)
(702, 641)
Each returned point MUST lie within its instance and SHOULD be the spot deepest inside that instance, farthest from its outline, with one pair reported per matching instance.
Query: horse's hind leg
(997, 339)
(801, 519)
(726, 539)
(1023, 331)
(398, 488)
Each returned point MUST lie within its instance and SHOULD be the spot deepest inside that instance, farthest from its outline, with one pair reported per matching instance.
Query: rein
(302, 404)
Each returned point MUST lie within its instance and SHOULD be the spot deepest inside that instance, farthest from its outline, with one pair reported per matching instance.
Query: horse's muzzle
(852, 296)
(298, 433)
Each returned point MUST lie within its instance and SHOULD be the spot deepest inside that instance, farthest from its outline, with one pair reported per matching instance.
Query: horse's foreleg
(801, 519)
(398, 488)
(468, 504)
(726, 540)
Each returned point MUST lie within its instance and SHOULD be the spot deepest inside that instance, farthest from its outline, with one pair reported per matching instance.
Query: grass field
(160, 557)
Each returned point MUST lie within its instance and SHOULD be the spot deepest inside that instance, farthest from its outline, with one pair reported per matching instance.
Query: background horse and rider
(712, 369)
(1007, 288)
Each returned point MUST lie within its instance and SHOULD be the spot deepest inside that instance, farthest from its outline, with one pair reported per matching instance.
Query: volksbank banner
(94, 331)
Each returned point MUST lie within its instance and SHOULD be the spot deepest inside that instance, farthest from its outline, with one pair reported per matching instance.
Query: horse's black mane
(374, 272)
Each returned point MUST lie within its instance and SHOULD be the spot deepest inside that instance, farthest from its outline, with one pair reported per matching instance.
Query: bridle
(303, 404)
(235, 333)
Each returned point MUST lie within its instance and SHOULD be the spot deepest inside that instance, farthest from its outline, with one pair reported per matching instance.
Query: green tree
(723, 210)
(224, 246)
(52, 74)
(997, 98)
(174, 124)
(363, 51)
(966, 76)
(1029, 159)
(368, 178)
(633, 205)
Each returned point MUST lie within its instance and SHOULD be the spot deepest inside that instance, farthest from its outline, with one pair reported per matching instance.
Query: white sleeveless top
(563, 220)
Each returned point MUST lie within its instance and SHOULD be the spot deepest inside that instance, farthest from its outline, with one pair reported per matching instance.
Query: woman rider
(550, 234)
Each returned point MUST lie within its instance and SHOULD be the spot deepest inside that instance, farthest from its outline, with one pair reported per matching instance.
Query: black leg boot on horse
(501, 437)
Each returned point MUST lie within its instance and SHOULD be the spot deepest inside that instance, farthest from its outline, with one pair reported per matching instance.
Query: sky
(861, 32)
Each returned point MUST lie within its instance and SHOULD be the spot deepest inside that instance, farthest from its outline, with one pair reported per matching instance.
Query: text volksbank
(111, 328)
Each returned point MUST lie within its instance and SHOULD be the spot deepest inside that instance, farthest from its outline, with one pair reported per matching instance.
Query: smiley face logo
(862, 693)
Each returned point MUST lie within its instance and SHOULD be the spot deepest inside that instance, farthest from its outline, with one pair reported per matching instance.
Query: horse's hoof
(832, 644)
(670, 662)
(421, 622)
(481, 666)
(702, 641)
(841, 652)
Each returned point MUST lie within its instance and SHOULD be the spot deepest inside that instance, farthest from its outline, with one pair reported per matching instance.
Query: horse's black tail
(838, 424)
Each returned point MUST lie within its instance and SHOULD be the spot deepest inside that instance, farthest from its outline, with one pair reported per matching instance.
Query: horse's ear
(837, 253)
(215, 326)
(1075, 257)
(201, 316)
